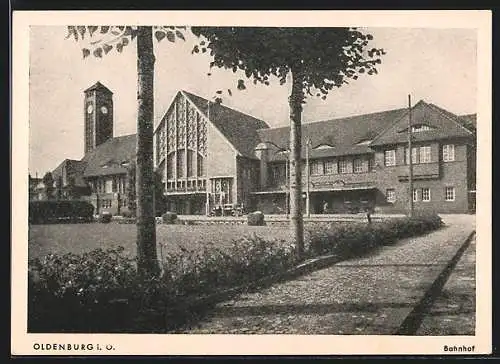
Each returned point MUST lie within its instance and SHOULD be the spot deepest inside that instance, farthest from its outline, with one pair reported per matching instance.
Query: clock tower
(98, 111)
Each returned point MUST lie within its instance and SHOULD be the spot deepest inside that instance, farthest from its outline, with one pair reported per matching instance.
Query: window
(390, 195)
(415, 195)
(114, 186)
(181, 171)
(106, 204)
(359, 166)
(448, 153)
(426, 194)
(418, 155)
(390, 157)
(449, 194)
(414, 156)
(316, 167)
(108, 186)
(343, 166)
(190, 163)
(201, 166)
(371, 164)
(425, 154)
(170, 165)
(278, 173)
(329, 166)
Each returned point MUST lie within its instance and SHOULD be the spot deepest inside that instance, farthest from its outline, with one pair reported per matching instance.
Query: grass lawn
(79, 238)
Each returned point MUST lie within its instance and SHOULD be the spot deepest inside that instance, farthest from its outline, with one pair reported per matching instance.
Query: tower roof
(98, 86)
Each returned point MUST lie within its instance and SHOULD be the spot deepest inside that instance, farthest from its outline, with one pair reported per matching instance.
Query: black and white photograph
(311, 182)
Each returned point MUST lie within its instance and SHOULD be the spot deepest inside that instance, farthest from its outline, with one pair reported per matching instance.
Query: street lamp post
(207, 180)
(287, 184)
(308, 143)
(410, 161)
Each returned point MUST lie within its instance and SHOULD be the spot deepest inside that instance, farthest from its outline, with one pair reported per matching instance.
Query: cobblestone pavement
(454, 311)
(365, 296)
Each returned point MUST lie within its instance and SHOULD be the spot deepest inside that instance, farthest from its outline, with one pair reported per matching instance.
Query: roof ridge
(339, 118)
(225, 106)
(397, 120)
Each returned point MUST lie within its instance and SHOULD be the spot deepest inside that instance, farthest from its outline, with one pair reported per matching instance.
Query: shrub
(357, 238)
(255, 219)
(73, 292)
(100, 291)
(169, 217)
(105, 217)
(127, 214)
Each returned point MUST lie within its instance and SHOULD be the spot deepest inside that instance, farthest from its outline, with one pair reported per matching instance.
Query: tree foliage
(315, 60)
(104, 38)
(327, 57)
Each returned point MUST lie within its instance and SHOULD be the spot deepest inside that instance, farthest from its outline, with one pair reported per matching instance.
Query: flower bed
(100, 291)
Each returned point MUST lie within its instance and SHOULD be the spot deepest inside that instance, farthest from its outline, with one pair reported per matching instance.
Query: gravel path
(365, 296)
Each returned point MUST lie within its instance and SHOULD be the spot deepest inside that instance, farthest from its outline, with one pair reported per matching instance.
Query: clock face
(90, 108)
(104, 109)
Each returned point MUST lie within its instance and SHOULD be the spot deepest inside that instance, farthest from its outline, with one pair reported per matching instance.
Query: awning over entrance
(340, 185)
(325, 186)
(185, 193)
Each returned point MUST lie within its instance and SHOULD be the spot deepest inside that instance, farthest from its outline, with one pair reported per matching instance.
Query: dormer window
(364, 142)
(417, 128)
(324, 146)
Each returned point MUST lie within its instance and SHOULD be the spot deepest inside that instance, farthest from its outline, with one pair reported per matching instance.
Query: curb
(414, 319)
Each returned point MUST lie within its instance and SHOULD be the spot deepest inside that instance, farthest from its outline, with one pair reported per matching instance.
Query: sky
(436, 65)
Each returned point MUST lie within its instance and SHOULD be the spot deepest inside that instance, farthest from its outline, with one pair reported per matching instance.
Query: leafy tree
(48, 182)
(103, 39)
(314, 59)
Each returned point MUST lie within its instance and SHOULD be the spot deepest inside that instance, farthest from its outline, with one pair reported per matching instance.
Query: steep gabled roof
(239, 128)
(343, 134)
(98, 86)
(443, 125)
(111, 156)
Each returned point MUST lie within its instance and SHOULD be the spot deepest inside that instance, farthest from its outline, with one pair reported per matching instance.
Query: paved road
(365, 296)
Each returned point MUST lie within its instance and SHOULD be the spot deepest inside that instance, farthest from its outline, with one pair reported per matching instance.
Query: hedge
(41, 212)
(353, 239)
(100, 291)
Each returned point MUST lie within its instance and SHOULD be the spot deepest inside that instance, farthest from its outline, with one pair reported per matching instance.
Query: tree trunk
(147, 260)
(296, 218)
